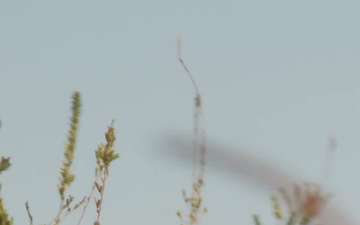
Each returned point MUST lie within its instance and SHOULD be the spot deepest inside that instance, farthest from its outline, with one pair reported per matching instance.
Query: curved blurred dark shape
(247, 167)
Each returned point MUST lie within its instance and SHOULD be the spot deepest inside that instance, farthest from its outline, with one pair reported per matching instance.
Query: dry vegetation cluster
(105, 155)
(302, 204)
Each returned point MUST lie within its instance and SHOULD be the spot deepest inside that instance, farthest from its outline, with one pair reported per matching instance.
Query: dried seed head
(307, 202)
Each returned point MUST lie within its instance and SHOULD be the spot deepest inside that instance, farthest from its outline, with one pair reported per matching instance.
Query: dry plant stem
(88, 200)
(101, 200)
(199, 152)
(199, 138)
(202, 140)
(196, 111)
(56, 220)
(64, 210)
(29, 213)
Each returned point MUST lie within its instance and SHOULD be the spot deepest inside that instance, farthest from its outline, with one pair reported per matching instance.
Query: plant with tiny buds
(105, 154)
(66, 176)
(195, 199)
(306, 202)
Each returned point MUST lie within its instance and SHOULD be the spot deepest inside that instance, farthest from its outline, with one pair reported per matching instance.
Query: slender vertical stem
(199, 149)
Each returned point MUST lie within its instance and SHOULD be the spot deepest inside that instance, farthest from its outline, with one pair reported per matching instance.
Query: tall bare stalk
(199, 153)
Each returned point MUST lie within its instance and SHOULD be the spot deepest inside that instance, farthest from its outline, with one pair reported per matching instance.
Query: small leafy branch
(105, 154)
(66, 176)
(199, 155)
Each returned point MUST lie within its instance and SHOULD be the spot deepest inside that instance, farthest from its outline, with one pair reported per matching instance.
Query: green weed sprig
(105, 154)
(66, 176)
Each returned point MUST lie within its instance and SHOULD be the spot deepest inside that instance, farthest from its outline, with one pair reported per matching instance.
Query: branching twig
(105, 154)
(88, 201)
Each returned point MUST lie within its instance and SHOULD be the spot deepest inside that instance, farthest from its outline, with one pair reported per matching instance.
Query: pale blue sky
(277, 77)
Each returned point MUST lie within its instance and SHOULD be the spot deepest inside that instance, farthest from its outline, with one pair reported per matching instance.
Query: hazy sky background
(277, 78)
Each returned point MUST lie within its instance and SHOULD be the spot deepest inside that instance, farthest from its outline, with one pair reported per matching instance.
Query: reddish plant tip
(314, 201)
(307, 201)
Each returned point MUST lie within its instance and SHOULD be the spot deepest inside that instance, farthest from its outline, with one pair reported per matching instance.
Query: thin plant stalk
(199, 152)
